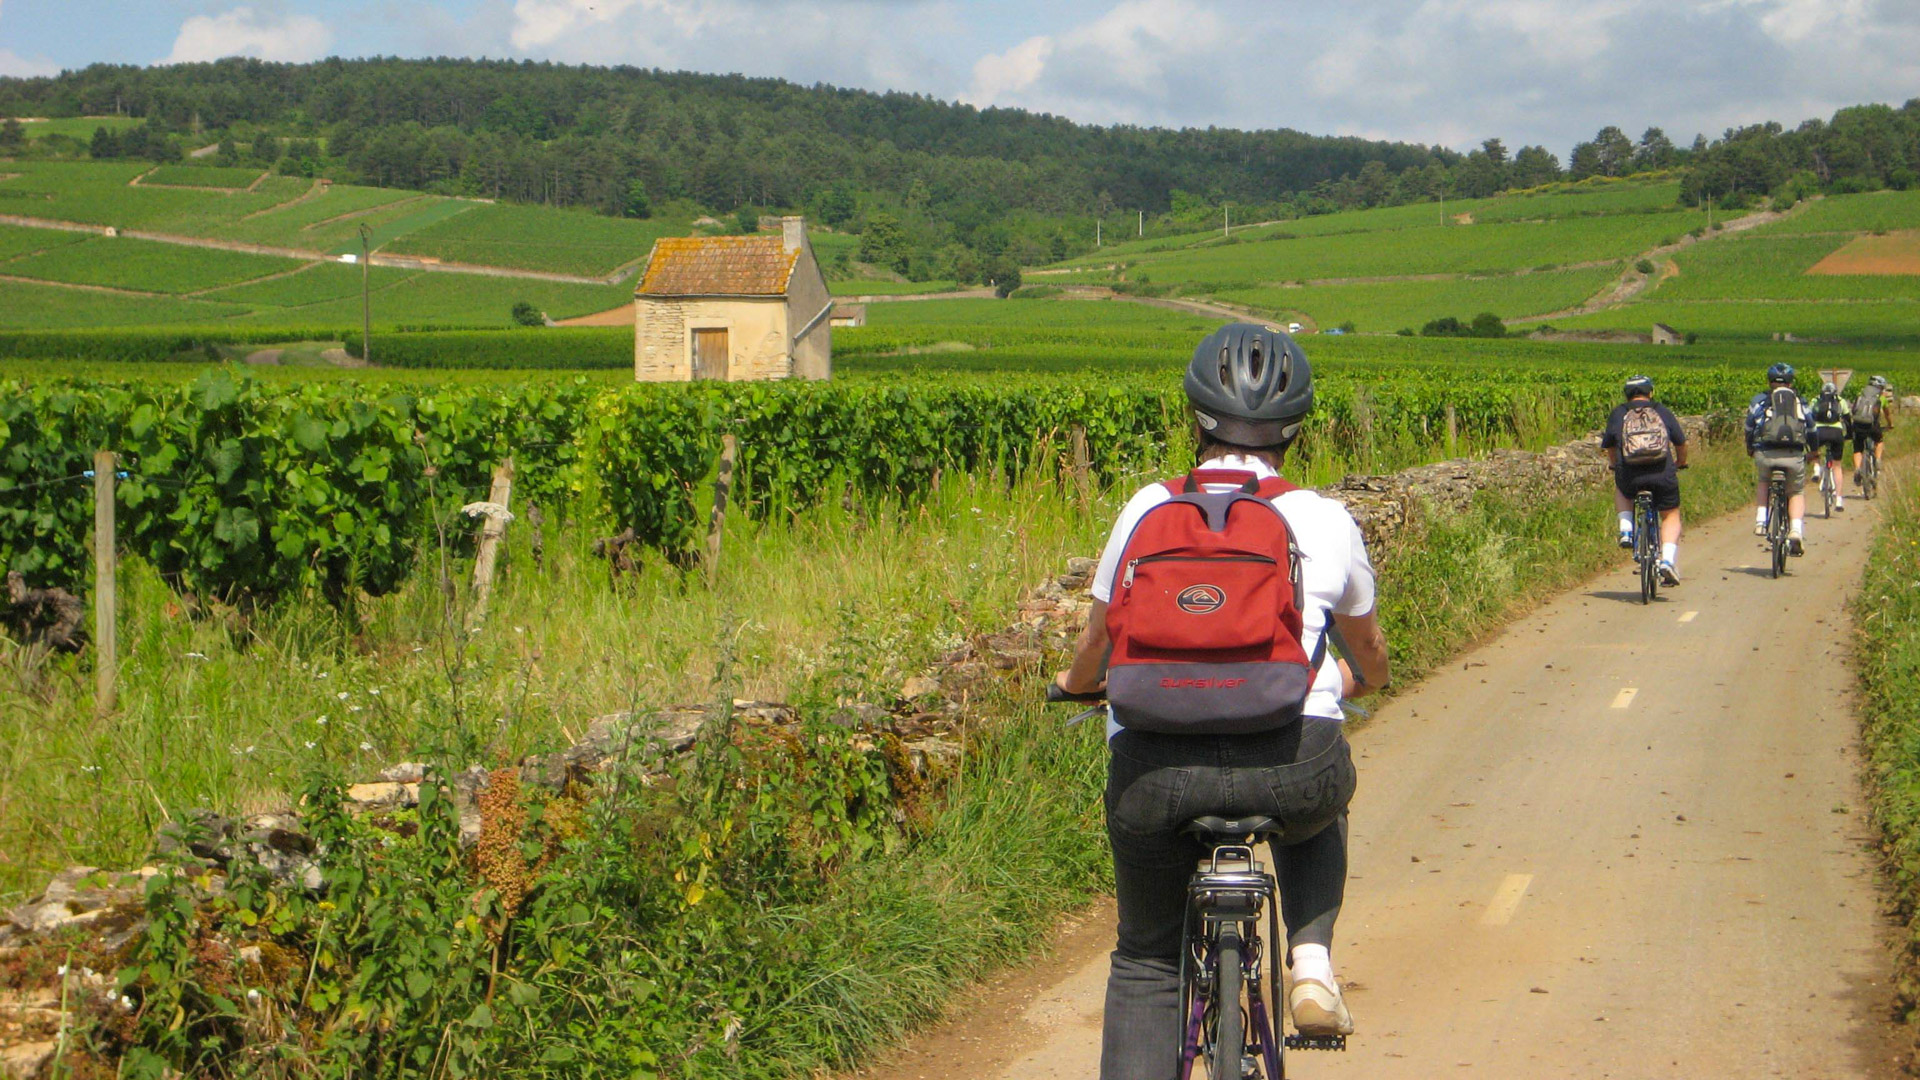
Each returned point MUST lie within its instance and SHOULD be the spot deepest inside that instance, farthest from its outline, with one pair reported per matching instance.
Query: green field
(146, 265)
(1388, 306)
(1774, 268)
(16, 241)
(1880, 211)
(78, 127)
(201, 176)
(51, 307)
(1893, 323)
(538, 238)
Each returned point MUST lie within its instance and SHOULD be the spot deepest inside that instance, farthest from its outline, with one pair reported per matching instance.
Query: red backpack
(1206, 613)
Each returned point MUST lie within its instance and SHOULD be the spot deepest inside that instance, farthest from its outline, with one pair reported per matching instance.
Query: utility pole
(366, 316)
(1226, 219)
(1096, 232)
(1143, 223)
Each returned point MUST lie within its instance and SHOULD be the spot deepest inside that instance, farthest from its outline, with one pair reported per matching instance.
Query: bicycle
(1777, 519)
(1646, 545)
(1228, 1026)
(1829, 489)
(1869, 475)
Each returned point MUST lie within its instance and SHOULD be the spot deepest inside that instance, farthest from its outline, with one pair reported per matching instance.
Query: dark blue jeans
(1301, 775)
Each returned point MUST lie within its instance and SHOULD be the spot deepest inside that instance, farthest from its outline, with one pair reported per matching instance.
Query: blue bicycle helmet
(1780, 375)
(1639, 386)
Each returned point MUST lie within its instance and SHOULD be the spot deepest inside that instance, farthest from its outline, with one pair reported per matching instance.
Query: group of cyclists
(1205, 603)
(1647, 447)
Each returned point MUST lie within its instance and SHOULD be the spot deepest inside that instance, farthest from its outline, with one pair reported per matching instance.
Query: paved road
(1616, 841)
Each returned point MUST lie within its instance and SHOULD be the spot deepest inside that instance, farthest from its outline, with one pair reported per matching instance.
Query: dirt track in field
(1614, 841)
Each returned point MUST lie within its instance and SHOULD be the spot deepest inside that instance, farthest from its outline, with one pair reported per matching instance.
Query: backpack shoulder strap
(1275, 486)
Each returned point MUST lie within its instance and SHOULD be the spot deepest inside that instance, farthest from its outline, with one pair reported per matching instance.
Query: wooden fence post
(106, 644)
(1453, 431)
(1082, 463)
(716, 524)
(491, 532)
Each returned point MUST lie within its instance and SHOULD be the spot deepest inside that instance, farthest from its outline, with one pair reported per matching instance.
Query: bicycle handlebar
(1056, 694)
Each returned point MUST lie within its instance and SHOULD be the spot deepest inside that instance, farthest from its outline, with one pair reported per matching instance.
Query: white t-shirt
(1334, 568)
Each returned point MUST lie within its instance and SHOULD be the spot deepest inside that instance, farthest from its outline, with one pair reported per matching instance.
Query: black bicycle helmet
(1249, 385)
(1639, 386)
(1780, 374)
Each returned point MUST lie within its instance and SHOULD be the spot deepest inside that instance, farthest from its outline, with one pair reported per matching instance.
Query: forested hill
(579, 135)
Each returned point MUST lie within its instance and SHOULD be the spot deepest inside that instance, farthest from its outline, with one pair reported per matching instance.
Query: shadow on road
(1626, 597)
(1752, 571)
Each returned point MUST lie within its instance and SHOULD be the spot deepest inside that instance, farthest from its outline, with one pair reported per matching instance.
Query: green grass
(1886, 619)
(884, 287)
(319, 283)
(539, 238)
(434, 298)
(1774, 268)
(78, 127)
(51, 307)
(201, 176)
(315, 224)
(16, 241)
(1892, 323)
(1878, 211)
(1385, 307)
(146, 265)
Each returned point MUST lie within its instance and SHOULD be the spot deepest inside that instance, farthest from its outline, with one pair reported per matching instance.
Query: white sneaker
(1318, 1009)
(1626, 540)
(1669, 576)
(1759, 528)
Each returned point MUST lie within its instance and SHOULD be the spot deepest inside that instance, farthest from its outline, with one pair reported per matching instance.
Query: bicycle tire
(1229, 1037)
(1870, 484)
(1777, 527)
(1826, 492)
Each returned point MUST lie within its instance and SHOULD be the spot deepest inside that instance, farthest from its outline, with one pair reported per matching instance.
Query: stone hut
(1666, 335)
(848, 315)
(734, 308)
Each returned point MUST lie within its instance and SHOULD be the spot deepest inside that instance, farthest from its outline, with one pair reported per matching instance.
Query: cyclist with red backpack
(1779, 434)
(1208, 634)
(1647, 447)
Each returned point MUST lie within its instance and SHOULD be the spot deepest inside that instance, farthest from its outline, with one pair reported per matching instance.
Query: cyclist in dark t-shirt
(1630, 441)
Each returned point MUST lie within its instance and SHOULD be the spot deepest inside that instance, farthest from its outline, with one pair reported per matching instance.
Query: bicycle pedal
(1316, 1042)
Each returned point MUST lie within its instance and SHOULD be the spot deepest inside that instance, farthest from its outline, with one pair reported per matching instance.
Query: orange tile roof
(718, 266)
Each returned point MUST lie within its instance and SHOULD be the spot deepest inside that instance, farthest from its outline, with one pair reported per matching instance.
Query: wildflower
(374, 690)
(365, 746)
(249, 750)
(126, 1003)
(519, 629)
(196, 656)
(309, 744)
(253, 994)
(344, 695)
(61, 971)
(354, 708)
(89, 769)
(319, 674)
(322, 720)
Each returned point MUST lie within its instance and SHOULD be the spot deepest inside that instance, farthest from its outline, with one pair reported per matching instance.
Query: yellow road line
(1688, 617)
(1506, 900)
(1625, 697)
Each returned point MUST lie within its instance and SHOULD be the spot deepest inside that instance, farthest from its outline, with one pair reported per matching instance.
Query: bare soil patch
(1893, 255)
(615, 316)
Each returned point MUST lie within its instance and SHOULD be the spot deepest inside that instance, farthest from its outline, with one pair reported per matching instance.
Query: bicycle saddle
(1215, 829)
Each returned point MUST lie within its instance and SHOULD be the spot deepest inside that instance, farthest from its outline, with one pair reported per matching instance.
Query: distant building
(1666, 335)
(848, 315)
(733, 308)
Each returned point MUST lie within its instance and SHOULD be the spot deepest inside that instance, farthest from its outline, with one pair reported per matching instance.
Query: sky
(1449, 72)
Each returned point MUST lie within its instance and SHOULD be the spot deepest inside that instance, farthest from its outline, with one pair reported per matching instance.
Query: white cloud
(1141, 60)
(246, 32)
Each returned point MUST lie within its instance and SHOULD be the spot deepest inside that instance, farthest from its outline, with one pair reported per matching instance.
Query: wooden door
(710, 354)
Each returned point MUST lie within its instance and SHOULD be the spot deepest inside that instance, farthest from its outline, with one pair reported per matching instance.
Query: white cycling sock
(1794, 528)
(1626, 521)
(1312, 962)
(1760, 516)
(1670, 554)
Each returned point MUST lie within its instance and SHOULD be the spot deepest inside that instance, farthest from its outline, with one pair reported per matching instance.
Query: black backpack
(1782, 426)
(1826, 409)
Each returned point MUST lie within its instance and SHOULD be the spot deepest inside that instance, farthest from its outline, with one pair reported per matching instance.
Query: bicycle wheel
(1228, 1037)
(1870, 475)
(1826, 492)
(1777, 528)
